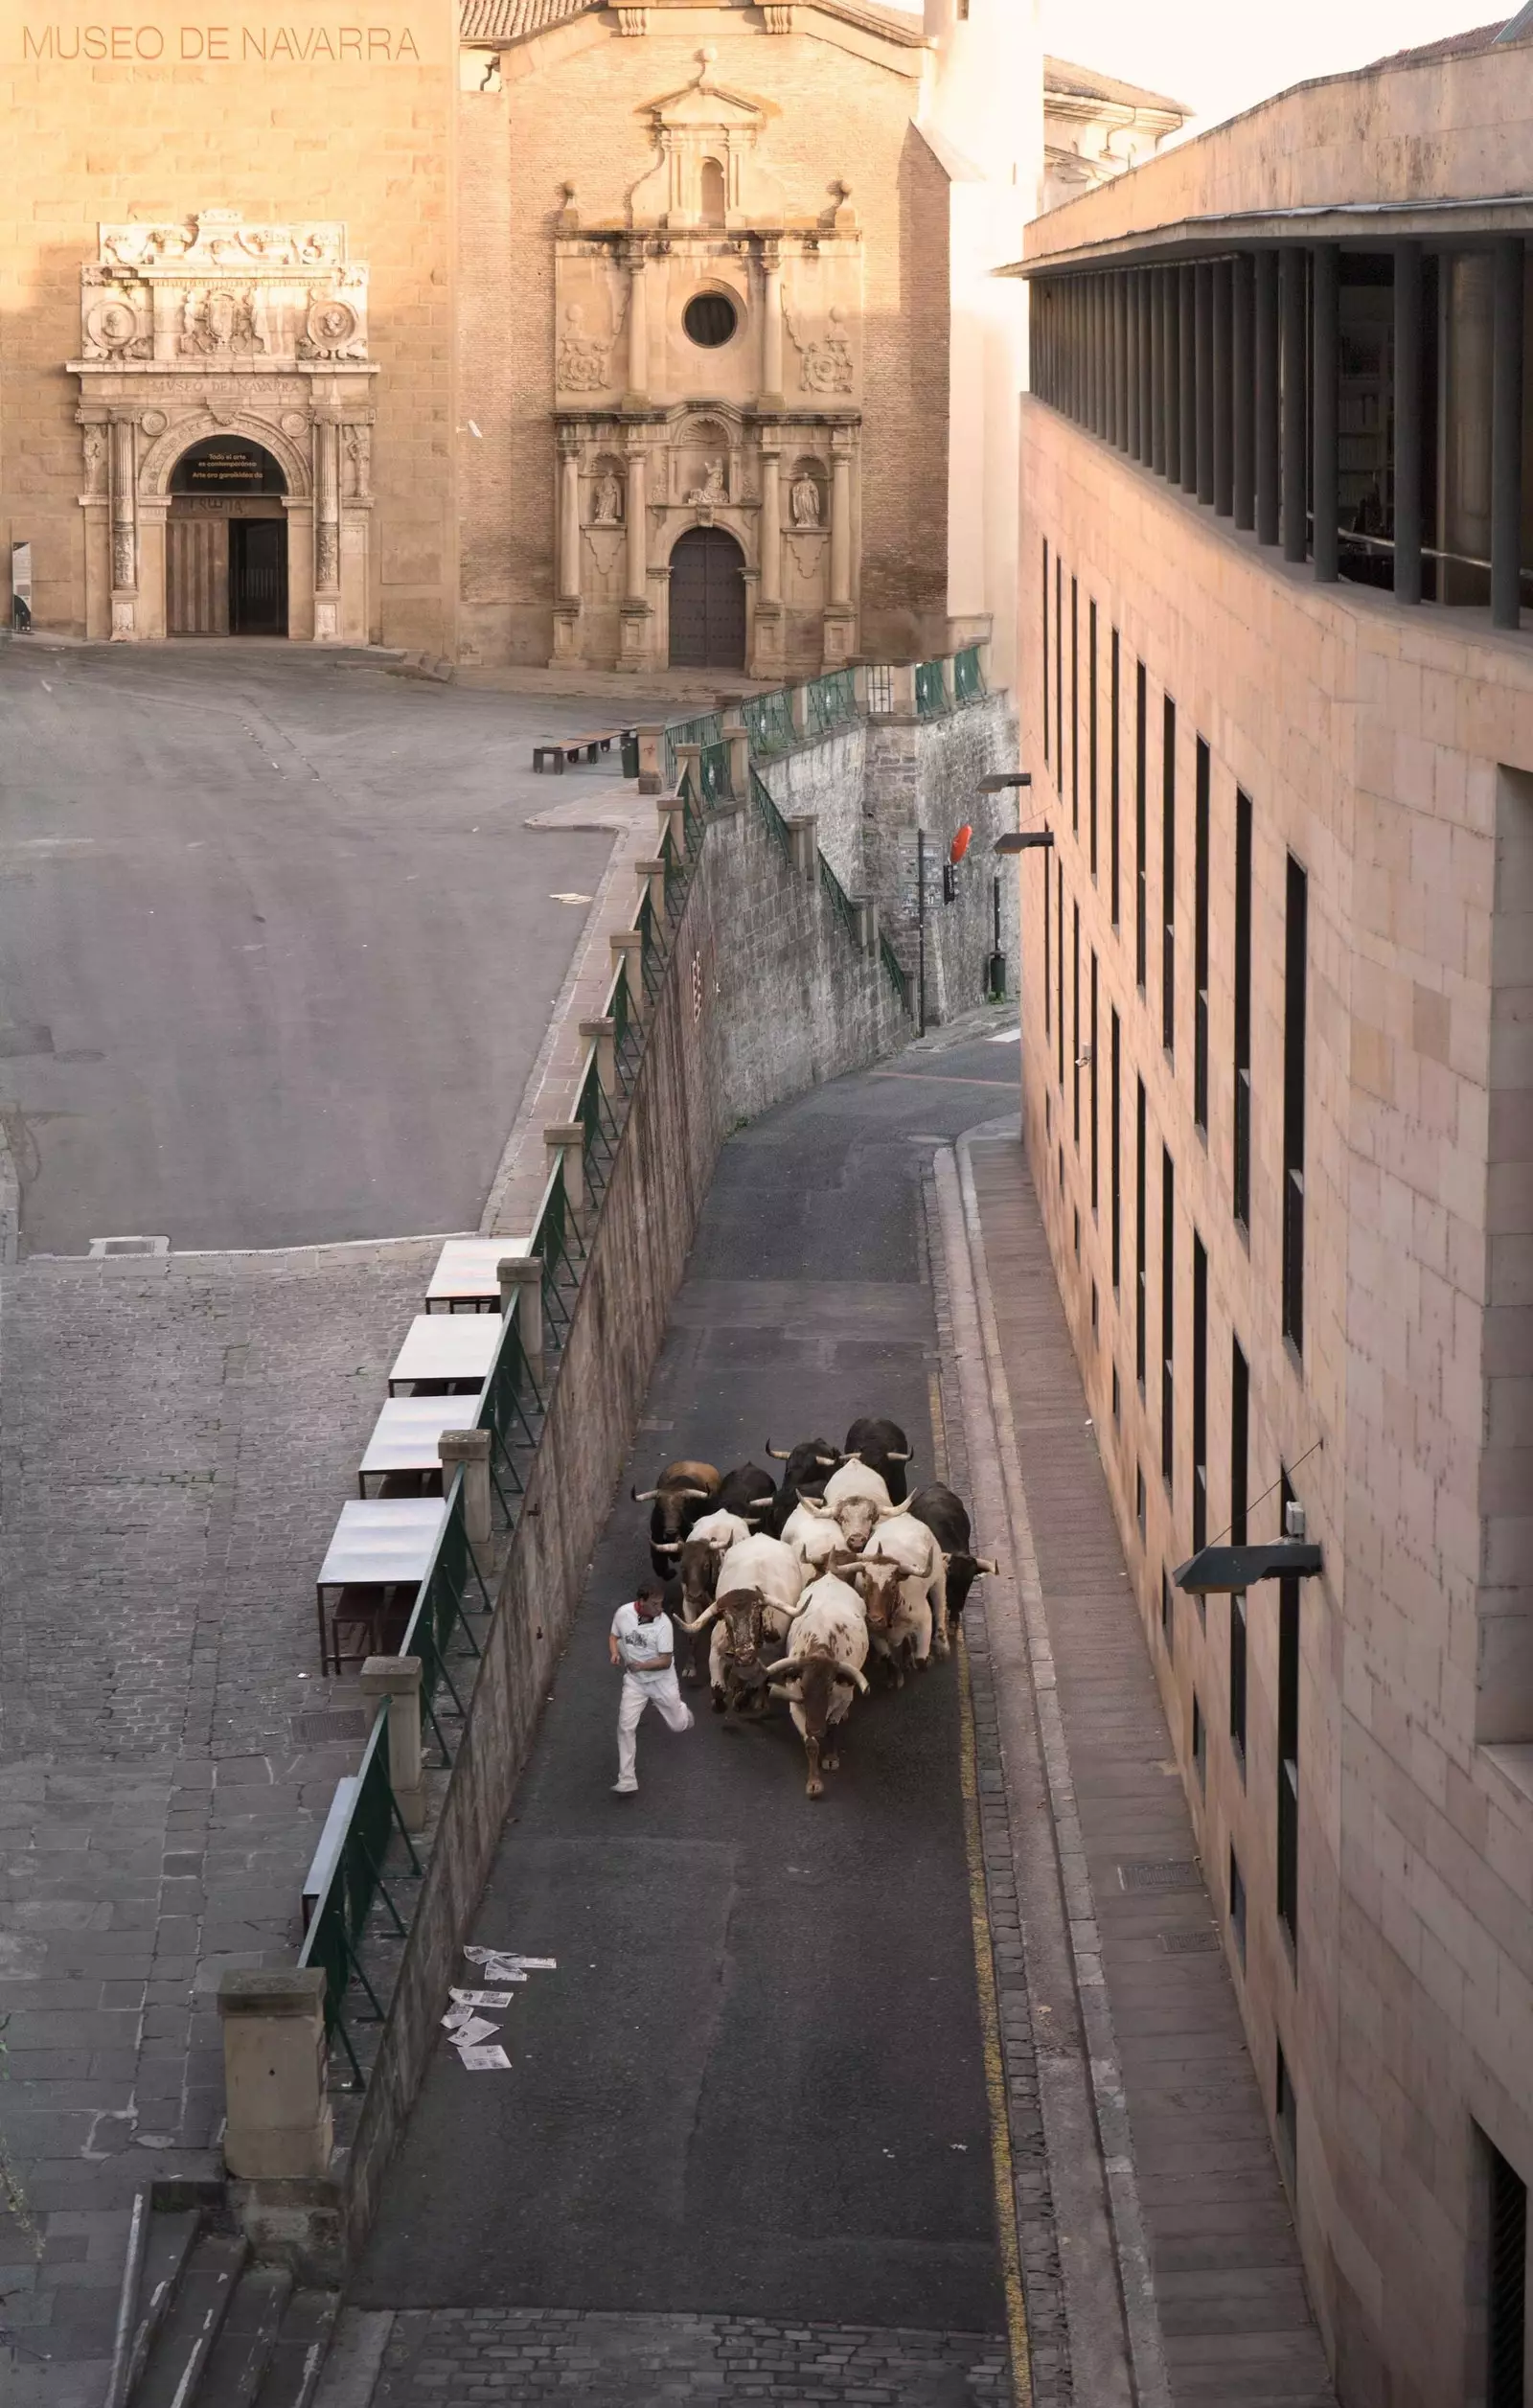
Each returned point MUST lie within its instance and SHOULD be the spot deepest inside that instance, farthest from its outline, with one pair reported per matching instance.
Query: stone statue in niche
(358, 442)
(804, 501)
(581, 359)
(606, 509)
(95, 457)
(712, 489)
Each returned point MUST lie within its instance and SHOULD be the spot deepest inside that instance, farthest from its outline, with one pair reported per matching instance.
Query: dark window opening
(1075, 1022)
(1168, 1314)
(1140, 1240)
(1199, 1743)
(1139, 1497)
(1168, 1615)
(1237, 1905)
(1114, 754)
(1115, 1153)
(1045, 648)
(1199, 1395)
(1288, 1747)
(1091, 1078)
(1242, 1011)
(1141, 896)
(1048, 967)
(1506, 2288)
(1059, 971)
(1296, 957)
(1059, 674)
(1075, 706)
(711, 318)
(1091, 733)
(1240, 1406)
(1288, 2117)
(1167, 881)
(1199, 943)
(1118, 1397)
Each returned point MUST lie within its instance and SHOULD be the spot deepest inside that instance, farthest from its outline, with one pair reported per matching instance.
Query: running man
(640, 1643)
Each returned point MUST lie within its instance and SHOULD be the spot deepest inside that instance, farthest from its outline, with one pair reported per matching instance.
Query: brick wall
(1376, 746)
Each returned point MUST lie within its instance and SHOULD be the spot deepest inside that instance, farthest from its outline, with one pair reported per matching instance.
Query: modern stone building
(559, 331)
(1278, 707)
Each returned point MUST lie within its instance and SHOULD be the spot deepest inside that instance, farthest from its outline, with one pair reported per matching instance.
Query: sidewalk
(1217, 2304)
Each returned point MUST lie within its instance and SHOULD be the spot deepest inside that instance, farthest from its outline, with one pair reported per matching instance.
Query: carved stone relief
(581, 358)
(217, 289)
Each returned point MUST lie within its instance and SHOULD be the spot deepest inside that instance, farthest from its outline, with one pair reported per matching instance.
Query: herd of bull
(786, 1588)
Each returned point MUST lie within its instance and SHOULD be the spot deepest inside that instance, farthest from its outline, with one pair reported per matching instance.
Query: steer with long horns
(883, 1447)
(674, 1502)
(828, 1646)
(947, 1517)
(855, 1498)
(901, 1577)
(810, 1465)
(696, 1564)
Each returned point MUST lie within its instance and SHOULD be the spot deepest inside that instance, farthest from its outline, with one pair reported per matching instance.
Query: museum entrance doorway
(707, 600)
(226, 541)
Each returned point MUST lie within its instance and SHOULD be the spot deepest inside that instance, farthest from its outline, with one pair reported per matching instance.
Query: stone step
(242, 2350)
(293, 2377)
(184, 2343)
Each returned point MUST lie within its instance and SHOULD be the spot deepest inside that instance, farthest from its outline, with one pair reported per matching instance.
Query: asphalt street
(276, 949)
(754, 2084)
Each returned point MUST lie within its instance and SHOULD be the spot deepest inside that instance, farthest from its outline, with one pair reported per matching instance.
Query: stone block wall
(1387, 751)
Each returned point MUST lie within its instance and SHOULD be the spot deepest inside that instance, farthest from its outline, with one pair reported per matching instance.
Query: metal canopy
(1223, 1570)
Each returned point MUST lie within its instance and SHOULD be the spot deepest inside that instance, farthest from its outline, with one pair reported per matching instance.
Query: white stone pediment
(704, 107)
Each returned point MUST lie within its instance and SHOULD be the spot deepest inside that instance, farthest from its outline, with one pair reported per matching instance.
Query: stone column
(1324, 402)
(327, 530)
(398, 1680)
(637, 585)
(603, 1035)
(279, 2126)
(1120, 359)
(1291, 304)
(1243, 386)
(520, 1278)
(638, 327)
(125, 526)
(1268, 444)
(1224, 418)
(771, 532)
(1507, 434)
(1187, 377)
(771, 323)
(1159, 277)
(468, 1451)
(1408, 422)
(840, 522)
(1146, 284)
(569, 514)
(565, 1141)
(1171, 371)
(1204, 376)
(627, 946)
(1133, 431)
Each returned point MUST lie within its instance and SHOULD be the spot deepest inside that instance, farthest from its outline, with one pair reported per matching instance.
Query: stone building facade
(1277, 1104)
(1095, 128)
(545, 331)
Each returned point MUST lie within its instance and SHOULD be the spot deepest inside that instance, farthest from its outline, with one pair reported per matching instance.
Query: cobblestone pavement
(458, 2357)
(176, 1437)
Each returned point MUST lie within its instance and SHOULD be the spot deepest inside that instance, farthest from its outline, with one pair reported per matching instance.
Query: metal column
(1120, 358)
(1296, 447)
(1243, 389)
(1506, 435)
(1171, 371)
(1131, 361)
(1266, 414)
(1408, 422)
(1223, 425)
(1145, 299)
(1157, 352)
(1323, 356)
(1187, 329)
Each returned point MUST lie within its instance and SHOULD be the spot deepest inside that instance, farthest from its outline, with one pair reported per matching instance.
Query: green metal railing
(968, 675)
(840, 900)
(510, 1408)
(769, 722)
(771, 818)
(713, 766)
(333, 1939)
(892, 970)
(931, 690)
(439, 1617)
(560, 1248)
(830, 701)
(706, 730)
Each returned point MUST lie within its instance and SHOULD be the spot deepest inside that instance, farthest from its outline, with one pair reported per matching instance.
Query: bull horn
(702, 1622)
(665, 1547)
(895, 1457)
(983, 1563)
(779, 1454)
(642, 1495)
(817, 1506)
(886, 1513)
(829, 1461)
(853, 1457)
(788, 1669)
(691, 1492)
(850, 1672)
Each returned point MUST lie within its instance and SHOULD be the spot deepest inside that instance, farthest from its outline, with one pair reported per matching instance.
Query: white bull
(854, 1500)
(767, 1566)
(814, 1537)
(829, 1647)
(902, 1577)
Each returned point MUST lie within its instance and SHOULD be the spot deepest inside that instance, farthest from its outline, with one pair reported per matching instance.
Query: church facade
(547, 332)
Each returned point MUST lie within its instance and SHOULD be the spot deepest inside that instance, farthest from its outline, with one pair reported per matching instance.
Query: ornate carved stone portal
(708, 372)
(214, 327)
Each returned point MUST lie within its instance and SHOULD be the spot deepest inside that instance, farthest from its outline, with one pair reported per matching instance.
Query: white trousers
(667, 1699)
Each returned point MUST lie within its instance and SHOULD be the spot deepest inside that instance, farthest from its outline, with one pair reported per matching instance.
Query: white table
(379, 1542)
(465, 1272)
(405, 1434)
(455, 1346)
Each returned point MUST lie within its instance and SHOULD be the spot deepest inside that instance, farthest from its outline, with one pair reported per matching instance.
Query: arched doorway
(226, 541)
(707, 600)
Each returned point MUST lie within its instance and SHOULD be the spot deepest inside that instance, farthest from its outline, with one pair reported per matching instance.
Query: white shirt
(638, 1640)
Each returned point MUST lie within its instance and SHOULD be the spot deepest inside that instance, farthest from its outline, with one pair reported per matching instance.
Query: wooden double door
(226, 576)
(707, 600)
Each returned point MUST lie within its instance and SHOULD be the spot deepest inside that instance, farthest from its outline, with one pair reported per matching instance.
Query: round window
(710, 319)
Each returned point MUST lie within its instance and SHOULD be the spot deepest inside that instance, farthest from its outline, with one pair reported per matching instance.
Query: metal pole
(1291, 287)
(1327, 491)
(1203, 377)
(1243, 384)
(1506, 435)
(1266, 400)
(1223, 308)
(1408, 422)
(920, 932)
